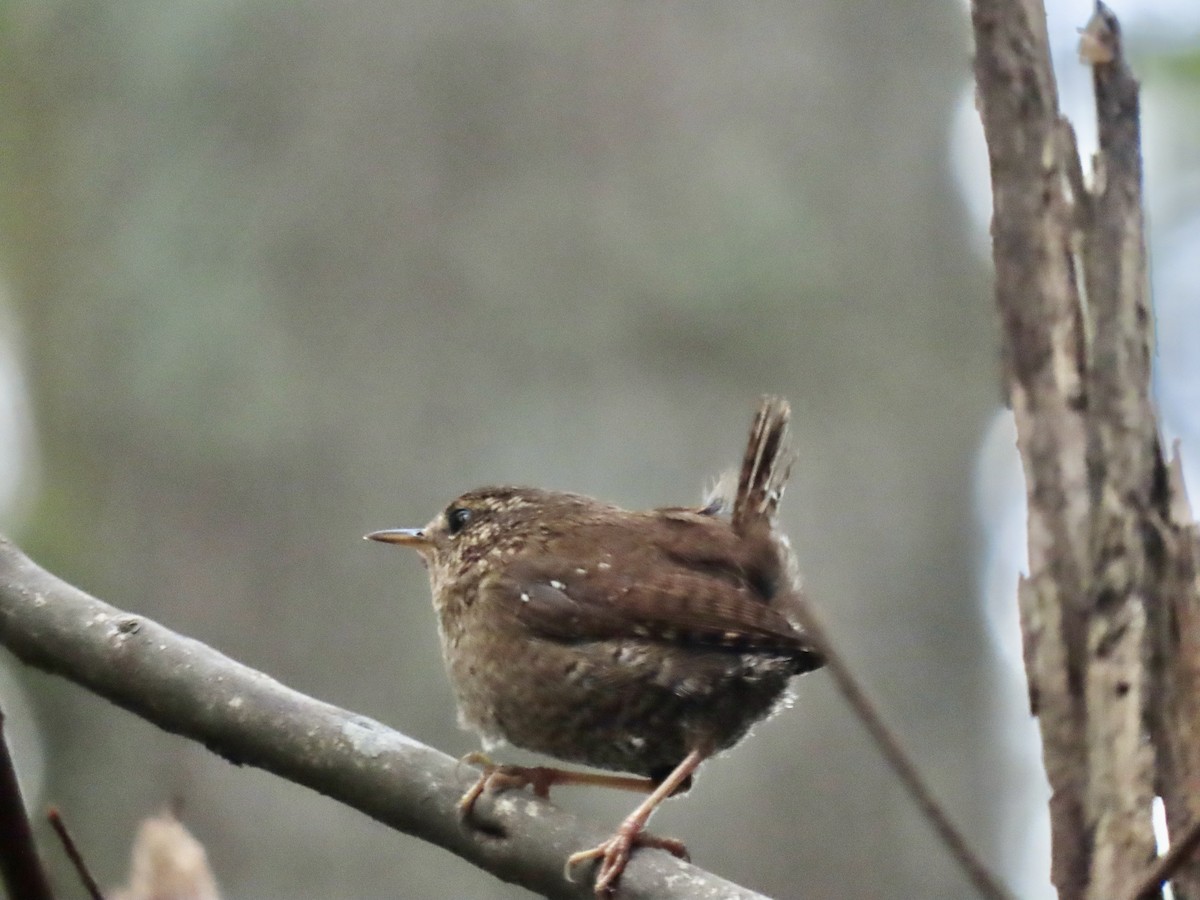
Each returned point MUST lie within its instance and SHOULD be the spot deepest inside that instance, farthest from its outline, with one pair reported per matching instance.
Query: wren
(640, 642)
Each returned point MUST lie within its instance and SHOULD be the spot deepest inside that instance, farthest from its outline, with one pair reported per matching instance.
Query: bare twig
(986, 884)
(73, 854)
(20, 868)
(187, 688)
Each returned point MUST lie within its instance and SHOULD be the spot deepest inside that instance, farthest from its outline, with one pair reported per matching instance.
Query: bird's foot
(496, 778)
(614, 854)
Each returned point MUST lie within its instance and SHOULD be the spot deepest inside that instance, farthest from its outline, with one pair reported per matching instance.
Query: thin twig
(1168, 864)
(986, 884)
(20, 868)
(73, 854)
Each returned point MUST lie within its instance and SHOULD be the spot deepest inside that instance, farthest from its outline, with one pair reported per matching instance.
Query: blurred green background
(281, 274)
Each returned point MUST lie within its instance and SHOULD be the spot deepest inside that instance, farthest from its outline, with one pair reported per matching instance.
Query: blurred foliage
(1183, 65)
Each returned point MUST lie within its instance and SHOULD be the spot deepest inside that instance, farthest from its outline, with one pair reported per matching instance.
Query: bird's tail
(765, 467)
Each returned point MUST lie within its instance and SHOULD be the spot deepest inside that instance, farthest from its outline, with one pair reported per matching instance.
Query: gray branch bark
(1109, 610)
(187, 688)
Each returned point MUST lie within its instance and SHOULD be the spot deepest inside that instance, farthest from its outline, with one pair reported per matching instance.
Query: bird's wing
(556, 600)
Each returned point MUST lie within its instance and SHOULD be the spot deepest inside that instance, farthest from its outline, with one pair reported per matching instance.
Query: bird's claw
(496, 778)
(614, 854)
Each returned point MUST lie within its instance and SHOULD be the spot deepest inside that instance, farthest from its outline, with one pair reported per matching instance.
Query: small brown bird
(640, 642)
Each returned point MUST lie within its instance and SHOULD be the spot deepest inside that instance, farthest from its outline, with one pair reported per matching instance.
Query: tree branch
(1127, 481)
(187, 688)
(1043, 345)
(1182, 849)
(21, 870)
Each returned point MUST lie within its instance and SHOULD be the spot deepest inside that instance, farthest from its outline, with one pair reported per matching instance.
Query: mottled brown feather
(554, 600)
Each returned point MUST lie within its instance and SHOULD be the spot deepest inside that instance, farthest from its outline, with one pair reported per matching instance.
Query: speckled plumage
(620, 643)
(619, 639)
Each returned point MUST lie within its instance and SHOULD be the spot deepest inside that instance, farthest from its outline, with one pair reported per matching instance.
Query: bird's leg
(614, 853)
(495, 778)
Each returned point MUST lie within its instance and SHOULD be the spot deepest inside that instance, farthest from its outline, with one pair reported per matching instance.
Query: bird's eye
(457, 518)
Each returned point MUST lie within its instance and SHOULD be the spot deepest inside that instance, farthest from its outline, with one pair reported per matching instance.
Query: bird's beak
(409, 537)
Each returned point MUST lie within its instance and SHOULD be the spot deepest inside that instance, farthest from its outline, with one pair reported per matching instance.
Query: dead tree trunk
(1111, 605)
